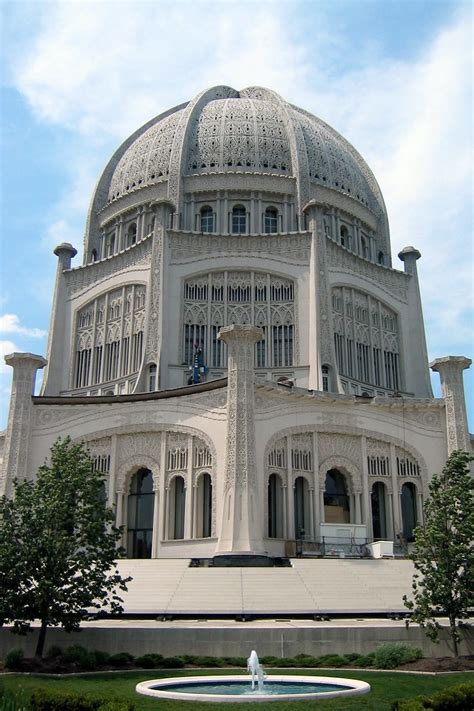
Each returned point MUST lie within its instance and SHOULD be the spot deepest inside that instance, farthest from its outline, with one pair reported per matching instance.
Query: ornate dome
(250, 131)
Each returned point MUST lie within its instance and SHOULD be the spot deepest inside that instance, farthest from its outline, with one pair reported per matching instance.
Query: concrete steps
(318, 586)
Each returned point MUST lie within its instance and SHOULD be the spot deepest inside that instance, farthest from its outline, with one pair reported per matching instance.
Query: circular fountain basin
(236, 688)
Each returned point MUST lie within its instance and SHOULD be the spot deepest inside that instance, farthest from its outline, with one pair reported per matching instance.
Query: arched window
(379, 512)
(409, 516)
(363, 247)
(239, 220)
(177, 501)
(275, 507)
(270, 221)
(301, 502)
(94, 255)
(336, 499)
(204, 506)
(151, 377)
(140, 507)
(207, 219)
(381, 258)
(131, 234)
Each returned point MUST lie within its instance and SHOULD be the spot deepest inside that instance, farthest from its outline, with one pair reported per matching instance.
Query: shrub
(238, 661)
(172, 663)
(101, 657)
(331, 660)
(456, 698)
(54, 651)
(352, 656)
(269, 660)
(49, 700)
(364, 660)
(390, 656)
(209, 661)
(148, 661)
(121, 659)
(416, 704)
(14, 658)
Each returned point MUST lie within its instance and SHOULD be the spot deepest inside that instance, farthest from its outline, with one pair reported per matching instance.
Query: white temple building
(244, 363)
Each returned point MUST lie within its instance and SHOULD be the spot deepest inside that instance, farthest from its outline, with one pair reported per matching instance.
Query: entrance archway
(336, 498)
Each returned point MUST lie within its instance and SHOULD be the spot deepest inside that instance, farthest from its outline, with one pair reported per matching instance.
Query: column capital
(451, 363)
(25, 360)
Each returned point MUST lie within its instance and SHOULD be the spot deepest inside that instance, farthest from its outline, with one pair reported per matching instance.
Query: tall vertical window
(140, 508)
(366, 339)
(301, 504)
(132, 234)
(379, 515)
(207, 219)
(151, 377)
(239, 297)
(109, 337)
(270, 221)
(239, 220)
(204, 506)
(275, 507)
(177, 502)
(409, 513)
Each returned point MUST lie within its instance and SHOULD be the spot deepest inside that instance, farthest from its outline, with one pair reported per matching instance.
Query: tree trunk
(454, 636)
(41, 638)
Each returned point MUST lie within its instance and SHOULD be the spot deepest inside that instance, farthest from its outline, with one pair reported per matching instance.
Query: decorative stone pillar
(56, 374)
(417, 375)
(17, 438)
(450, 372)
(241, 525)
(321, 348)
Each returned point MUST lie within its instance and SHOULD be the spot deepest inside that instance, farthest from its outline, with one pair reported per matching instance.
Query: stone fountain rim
(144, 687)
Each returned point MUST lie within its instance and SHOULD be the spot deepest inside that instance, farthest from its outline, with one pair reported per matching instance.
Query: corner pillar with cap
(17, 438)
(450, 371)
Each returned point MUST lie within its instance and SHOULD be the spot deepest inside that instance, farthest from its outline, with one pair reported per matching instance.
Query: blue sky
(394, 77)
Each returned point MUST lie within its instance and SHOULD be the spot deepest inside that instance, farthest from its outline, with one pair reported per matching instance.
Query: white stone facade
(244, 226)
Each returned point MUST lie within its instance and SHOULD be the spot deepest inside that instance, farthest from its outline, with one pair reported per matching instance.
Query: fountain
(236, 688)
(256, 671)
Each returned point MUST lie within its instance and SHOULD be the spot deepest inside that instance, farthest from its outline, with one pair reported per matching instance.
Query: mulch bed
(441, 664)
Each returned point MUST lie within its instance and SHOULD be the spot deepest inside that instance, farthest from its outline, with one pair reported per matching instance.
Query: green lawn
(386, 688)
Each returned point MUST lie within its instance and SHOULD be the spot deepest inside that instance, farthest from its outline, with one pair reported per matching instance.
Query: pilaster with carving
(17, 438)
(450, 371)
(321, 342)
(240, 527)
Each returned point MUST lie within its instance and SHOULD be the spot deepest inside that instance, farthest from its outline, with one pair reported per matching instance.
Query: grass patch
(387, 687)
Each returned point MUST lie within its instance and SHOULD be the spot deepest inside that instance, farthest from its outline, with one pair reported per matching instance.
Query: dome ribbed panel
(331, 165)
(239, 134)
(147, 160)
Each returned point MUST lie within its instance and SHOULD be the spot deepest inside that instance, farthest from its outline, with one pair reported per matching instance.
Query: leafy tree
(58, 546)
(443, 584)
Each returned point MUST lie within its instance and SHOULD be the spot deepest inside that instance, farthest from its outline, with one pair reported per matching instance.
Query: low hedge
(48, 700)
(454, 698)
(387, 656)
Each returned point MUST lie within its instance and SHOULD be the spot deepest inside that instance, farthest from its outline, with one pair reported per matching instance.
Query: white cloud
(6, 347)
(10, 323)
(103, 69)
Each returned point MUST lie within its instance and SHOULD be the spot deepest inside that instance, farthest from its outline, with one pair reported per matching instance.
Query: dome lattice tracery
(253, 130)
